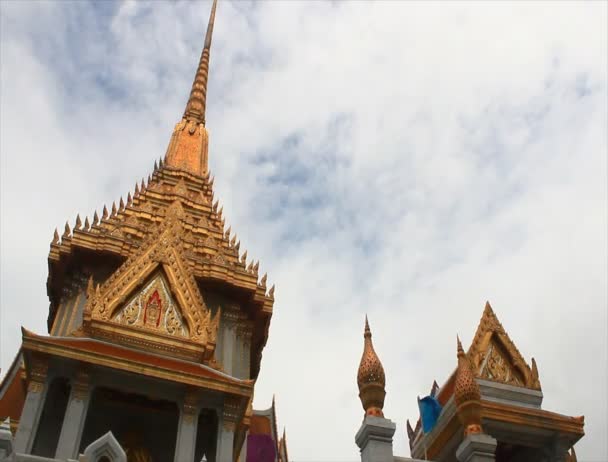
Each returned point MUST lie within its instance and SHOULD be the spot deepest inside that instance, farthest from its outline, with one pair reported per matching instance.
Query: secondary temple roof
(509, 389)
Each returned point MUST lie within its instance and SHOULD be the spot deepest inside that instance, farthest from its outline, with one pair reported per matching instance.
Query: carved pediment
(152, 301)
(154, 308)
(495, 357)
(496, 365)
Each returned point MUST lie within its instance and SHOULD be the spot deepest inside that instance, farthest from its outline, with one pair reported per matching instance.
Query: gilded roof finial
(197, 103)
(467, 394)
(370, 377)
(189, 145)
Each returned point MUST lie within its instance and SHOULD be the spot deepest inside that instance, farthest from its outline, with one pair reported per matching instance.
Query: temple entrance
(206, 435)
(51, 420)
(145, 428)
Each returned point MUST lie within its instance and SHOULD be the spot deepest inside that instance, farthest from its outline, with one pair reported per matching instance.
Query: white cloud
(441, 155)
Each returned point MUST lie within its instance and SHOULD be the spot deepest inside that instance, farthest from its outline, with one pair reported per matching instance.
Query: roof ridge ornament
(467, 394)
(370, 377)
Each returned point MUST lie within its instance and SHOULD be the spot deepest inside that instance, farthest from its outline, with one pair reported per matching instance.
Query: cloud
(404, 160)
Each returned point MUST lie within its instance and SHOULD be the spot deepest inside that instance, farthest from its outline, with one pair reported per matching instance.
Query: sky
(404, 160)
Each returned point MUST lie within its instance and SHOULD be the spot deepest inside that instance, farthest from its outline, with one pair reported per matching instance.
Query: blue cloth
(430, 409)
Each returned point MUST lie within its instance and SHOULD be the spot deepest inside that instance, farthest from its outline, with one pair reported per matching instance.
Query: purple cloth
(260, 448)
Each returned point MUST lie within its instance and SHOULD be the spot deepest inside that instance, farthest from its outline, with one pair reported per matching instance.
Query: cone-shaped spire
(467, 394)
(195, 108)
(370, 377)
(188, 148)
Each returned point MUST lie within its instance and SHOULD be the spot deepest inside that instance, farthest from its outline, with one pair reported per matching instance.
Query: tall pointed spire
(195, 108)
(188, 148)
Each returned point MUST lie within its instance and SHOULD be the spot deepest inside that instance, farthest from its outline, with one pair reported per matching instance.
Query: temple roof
(495, 358)
(127, 359)
(211, 250)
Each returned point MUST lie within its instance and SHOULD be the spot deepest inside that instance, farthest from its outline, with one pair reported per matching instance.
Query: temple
(157, 324)
(156, 327)
(489, 409)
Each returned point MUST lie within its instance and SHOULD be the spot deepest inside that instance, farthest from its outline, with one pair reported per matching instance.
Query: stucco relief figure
(153, 310)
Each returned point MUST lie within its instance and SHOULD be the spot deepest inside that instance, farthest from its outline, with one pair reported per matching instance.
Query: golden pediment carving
(153, 308)
(153, 293)
(495, 356)
(495, 365)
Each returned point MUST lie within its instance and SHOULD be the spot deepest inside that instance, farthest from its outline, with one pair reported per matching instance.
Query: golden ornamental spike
(87, 225)
(55, 237)
(66, 231)
(95, 218)
(371, 379)
(467, 394)
(78, 224)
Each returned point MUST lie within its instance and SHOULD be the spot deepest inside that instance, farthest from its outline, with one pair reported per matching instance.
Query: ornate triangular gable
(152, 300)
(495, 357)
(154, 308)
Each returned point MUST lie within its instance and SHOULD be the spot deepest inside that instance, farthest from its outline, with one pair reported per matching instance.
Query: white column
(75, 416)
(477, 447)
(375, 439)
(225, 433)
(32, 408)
(186, 433)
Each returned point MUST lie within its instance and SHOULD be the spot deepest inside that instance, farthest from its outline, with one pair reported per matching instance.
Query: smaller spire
(467, 394)
(55, 237)
(371, 379)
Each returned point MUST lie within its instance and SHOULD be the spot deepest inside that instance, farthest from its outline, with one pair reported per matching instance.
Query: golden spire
(370, 377)
(195, 108)
(188, 148)
(467, 395)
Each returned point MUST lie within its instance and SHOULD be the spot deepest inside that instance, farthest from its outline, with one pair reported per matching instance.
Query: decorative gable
(495, 357)
(153, 308)
(152, 301)
(495, 365)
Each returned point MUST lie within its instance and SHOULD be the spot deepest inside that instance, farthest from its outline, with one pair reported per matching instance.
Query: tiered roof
(208, 247)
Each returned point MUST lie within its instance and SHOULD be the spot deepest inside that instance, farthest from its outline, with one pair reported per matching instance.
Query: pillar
(375, 439)
(244, 334)
(225, 434)
(186, 432)
(559, 450)
(230, 318)
(477, 447)
(75, 416)
(6, 442)
(32, 408)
